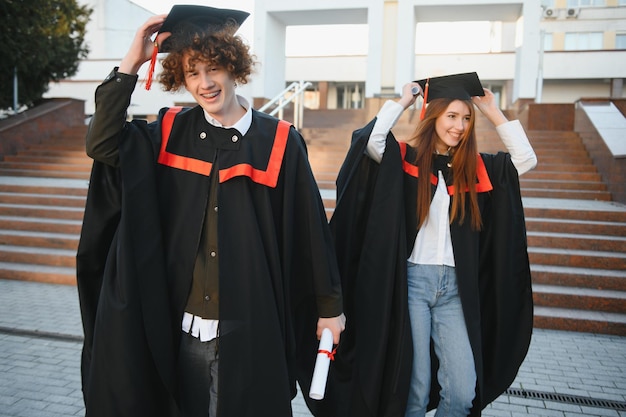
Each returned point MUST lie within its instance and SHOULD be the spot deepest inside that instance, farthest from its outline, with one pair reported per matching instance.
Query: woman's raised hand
(488, 106)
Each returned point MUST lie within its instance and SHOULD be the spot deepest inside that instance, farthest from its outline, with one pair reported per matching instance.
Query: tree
(44, 41)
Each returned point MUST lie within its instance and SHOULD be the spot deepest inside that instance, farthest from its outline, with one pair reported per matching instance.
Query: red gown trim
(268, 177)
(483, 184)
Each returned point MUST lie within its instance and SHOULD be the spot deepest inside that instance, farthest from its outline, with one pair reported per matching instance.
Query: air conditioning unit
(572, 13)
(550, 13)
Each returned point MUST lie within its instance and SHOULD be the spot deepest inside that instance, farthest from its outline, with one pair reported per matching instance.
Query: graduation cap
(459, 86)
(185, 19)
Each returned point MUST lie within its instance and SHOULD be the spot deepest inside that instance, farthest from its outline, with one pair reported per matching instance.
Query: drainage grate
(566, 398)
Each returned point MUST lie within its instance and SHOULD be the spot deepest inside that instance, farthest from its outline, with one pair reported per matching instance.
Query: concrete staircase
(42, 198)
(576, 235)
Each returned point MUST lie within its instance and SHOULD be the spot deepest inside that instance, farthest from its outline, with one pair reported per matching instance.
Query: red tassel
(155, 51)
(423, 112)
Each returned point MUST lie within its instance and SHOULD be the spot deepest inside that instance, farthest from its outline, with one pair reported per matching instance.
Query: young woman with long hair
(431, 241)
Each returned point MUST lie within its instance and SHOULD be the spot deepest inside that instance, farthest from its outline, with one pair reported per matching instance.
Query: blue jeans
(435, 312)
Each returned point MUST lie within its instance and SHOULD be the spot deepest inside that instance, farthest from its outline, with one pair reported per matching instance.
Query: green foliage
(44, 40)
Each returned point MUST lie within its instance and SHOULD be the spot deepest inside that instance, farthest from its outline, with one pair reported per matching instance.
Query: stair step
(60, 153)
(579, 320)
(56, 212)
(46, 158)
(575, 226)
(329, 202)
(25, 166)
(565, 167)
(326, 184)
(577, 258)
(39, 239)
(577, 241)
(601, 279)
(579, 298)
(38, 256)
(38, 273)
(44, 174)
(59, 146)
(562, 176)
(42, 199)
(566, 194)
(561, 185)
(326, 166)
(40, 224)
(608, 213)
(573, 145)
(557, 158)
(42, 189)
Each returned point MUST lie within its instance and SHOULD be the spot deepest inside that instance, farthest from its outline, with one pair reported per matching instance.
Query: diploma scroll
(322, 364)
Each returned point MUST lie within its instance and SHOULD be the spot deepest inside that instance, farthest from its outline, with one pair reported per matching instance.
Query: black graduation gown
(374, 227)
(140, 235)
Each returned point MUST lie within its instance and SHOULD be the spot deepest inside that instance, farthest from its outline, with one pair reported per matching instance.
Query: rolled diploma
(322, 363)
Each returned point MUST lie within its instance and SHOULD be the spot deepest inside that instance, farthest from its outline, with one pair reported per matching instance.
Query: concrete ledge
(612, 169)
(611, 125)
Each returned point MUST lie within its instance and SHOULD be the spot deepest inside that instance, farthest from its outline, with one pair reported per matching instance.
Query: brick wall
(40, 123)
(551, 117)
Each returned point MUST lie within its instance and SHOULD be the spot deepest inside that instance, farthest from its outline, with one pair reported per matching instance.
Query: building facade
(550, 51)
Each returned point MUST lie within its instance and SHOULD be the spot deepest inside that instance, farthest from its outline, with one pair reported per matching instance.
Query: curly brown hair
(215, 46)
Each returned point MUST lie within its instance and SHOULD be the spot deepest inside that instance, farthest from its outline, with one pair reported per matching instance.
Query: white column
(269, 48)
(375, 21)
(527, 54)
(405, 54)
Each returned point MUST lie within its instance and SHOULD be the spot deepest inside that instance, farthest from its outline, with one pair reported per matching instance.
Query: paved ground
(565, 373)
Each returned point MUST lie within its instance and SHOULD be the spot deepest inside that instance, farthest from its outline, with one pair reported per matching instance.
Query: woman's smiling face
(451, 124)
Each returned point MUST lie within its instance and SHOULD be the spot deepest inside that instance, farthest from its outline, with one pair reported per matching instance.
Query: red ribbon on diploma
(331, 355)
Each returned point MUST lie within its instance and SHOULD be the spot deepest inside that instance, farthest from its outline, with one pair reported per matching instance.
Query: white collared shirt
(433, 239)
(242, 125)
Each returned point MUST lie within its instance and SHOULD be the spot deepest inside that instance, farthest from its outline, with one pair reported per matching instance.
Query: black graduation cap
(460, 86)
(186, 18)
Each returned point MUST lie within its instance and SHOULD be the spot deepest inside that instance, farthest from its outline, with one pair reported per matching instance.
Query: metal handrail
(283, 100)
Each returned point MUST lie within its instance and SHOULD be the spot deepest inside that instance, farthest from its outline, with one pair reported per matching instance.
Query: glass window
(547, 42)
(323, 40)
(583, 41)
(549, 3)
(620, 41)
(476, 36)
(586, 3)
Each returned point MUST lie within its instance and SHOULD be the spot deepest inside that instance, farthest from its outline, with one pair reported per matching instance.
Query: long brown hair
(463, 164)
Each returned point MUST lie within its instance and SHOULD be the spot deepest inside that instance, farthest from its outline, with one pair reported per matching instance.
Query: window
(586, 3)
(620, 41)
(548, 3)
(583, 41)
(324, 40)
(458, 37)
(547, 42)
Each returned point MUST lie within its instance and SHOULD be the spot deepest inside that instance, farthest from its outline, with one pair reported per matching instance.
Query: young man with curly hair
(205, 268)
